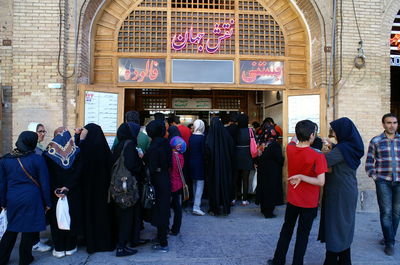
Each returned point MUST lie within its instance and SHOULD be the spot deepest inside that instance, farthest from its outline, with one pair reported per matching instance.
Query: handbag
(185, 187)
(253, 144)
(148, 194)
(3, 222)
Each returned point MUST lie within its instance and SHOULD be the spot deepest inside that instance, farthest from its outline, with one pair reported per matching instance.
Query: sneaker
(389, 250)
(160, 248)
(58, 254)
(173, 233)
(245, 203)
(40, 247)
(71, 252)
(123, 252)
(198, 212)
(233, 203)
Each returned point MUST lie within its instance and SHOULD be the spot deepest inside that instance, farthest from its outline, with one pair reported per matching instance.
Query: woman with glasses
(41, 132)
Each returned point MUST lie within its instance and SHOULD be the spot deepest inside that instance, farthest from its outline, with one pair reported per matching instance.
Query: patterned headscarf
(178, 144)
(270, 135)
(62, 149)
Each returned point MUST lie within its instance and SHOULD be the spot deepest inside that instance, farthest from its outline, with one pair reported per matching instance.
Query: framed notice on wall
(305, 107)
(102, 108)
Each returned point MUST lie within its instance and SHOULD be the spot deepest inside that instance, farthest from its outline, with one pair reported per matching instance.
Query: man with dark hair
(185, 131)
(159, 116)
(306, 172)
(383, 166)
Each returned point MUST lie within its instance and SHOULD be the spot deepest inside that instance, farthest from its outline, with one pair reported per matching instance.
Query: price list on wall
(102, 108)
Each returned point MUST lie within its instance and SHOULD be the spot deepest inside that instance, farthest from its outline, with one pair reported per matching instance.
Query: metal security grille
(145, 29)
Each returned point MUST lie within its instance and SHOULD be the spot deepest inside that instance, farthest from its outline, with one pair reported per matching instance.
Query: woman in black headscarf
(243, 160)
(172, 132)
(158, 161)
(340, 192)
(63, 160)
(269, 191)
(219, 151)
(25, 193)
(95, 181)
(128, 218)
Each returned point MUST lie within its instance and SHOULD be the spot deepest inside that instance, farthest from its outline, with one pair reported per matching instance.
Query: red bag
(253, 144)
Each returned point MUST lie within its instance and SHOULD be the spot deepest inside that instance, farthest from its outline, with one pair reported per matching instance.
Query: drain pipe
(332, 63)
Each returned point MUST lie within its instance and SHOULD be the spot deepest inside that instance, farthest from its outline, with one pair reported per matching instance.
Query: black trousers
(64, 240)
(306, 218)
(137, 222)
(338, 258)
(125, 225)
(37, 238)
(176, 205)
(25, 248)
(242, 180)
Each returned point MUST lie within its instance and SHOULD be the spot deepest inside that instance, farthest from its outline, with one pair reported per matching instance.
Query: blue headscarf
(62, 150)
(349, 140)
(177, 143)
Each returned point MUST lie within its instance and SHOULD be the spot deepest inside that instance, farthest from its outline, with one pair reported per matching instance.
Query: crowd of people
(152, 169)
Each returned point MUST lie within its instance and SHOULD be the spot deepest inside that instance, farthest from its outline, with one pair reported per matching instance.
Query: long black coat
(269, 192)
(69, 178)
(157, 159)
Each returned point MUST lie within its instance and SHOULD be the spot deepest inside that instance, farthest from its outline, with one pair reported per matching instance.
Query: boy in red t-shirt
(306, 171)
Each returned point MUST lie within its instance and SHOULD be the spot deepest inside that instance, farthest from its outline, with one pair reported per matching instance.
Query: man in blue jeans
(383, 166)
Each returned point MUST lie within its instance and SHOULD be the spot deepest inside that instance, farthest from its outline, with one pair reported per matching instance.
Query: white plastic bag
(3, 222)
(252, 181)
(62, 214)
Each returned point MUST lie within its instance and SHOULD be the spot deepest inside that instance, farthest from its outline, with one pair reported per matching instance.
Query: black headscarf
(219, 167)
(25, 144)
(156, 131)
(173, 131)
(243, 121)
(349, 140)
(126, 131)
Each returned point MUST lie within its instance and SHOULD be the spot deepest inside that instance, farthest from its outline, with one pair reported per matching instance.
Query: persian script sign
(141, 70)
(191, 103)
(222, 31)
(261, 72)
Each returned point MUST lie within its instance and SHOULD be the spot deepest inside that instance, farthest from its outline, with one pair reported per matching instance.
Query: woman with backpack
(125, 206)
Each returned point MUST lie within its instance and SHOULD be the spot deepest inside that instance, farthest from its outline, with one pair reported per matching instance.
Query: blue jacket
(25, 202)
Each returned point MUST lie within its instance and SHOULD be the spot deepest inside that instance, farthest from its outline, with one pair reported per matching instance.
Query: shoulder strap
(180, 168)
(27, 174)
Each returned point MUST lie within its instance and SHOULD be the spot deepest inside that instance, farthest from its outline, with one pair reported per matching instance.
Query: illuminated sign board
(139, 70)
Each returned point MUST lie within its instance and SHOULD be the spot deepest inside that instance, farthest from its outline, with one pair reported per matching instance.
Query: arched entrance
(265, 38)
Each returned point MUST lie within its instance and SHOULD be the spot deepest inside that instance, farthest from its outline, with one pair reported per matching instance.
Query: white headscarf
(32, 126)
(198, 127)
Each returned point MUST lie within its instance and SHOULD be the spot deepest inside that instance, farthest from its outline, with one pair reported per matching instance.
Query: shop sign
(222, 31)
(102, 108)
(395, 42)
(261, 72)
(191, 103)
(141, 70)
(395, 60)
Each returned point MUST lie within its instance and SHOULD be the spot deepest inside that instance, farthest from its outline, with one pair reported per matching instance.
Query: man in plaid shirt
(383, 166)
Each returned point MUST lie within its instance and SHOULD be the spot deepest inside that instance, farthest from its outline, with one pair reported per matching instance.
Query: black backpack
(123, 187)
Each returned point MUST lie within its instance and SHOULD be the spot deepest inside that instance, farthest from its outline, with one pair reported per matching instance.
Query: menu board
(305, 107)
(102, 108)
